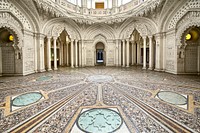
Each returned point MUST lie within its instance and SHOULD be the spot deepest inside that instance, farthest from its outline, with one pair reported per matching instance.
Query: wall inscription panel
(191, 59)
(170, 52)
(8, 60)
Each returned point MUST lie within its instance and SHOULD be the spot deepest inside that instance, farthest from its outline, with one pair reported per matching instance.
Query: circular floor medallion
(100, 78)
(43, 78)
(26, 99)
(99, 121)
(172, 97)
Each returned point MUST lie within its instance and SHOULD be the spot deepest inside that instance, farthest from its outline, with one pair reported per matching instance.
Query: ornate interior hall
(100, 66)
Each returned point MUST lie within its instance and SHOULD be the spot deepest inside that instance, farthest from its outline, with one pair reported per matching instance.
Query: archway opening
(191, 39)
(57, 51)
(7, 52)
(100, 54)
(63, 42)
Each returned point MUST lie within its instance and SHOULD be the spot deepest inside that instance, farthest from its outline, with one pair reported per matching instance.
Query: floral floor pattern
(99, 100)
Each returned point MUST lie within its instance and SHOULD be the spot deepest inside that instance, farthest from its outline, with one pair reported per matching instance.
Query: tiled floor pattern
(147, 101)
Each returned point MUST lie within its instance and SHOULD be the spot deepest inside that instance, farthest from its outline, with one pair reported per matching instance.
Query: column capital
(55, 37)
(144, 37)
(40, 35)
(133, 42)
(67, 42)
(49, 37)
(127, 39)
(160, 35)
(150, 37)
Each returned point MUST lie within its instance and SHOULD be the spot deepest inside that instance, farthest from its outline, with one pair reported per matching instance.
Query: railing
(94, 12)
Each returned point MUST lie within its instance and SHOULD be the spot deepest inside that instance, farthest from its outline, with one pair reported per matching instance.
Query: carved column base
(42, 70)
(144, 68)
(157, 69)
(49, 69)
(151, 68)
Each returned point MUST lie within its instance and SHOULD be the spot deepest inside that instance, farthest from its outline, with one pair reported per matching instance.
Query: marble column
(198, 58)
(123, 44)
(84, 3)
(83, 53)
(80, 53)
(138, 53)
(41, 67)
(116, 52)
(127, 53)
(64, 54)
(144, 52)
(67, 53)
(55, 52)
(76, 53)
(49, 53)
(151, 54)
(1, 61)
(120, 52)
(60, 53)
(72, 53)
(133, 53)
(114, 3)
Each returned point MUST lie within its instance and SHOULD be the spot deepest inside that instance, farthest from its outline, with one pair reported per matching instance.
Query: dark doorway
(100, 54)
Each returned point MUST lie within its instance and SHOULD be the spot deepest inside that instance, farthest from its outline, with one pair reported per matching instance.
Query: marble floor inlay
(26, 99)
(172, 97)
(100, 100)
(99, 121)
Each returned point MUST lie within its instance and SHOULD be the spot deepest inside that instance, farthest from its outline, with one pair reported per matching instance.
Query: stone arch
(99, 38)
(57, 30)
(182, 29)
(183, 49)
(20, 15)
(16, 32)
(56, 26)
(102, 29)
(178, 14)
(11, 52)
(142, 25)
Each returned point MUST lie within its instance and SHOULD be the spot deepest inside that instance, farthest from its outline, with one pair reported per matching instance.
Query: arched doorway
(7, 52)
(100, 54)
(192, 50)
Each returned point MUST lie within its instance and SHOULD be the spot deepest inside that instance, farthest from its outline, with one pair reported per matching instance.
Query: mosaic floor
(100, 100)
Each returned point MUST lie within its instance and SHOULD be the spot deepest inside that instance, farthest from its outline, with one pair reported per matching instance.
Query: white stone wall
(28, 53)
(89, 53)
(170, 52)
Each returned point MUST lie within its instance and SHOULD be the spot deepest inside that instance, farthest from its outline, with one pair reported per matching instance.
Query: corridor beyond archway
(100, 54)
